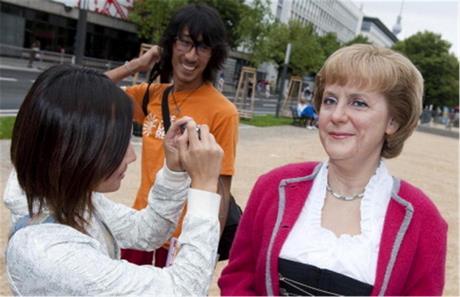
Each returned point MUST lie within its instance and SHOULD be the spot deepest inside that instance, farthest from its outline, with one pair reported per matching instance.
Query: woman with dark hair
(71, 144)
(345, 226)
(193, 48)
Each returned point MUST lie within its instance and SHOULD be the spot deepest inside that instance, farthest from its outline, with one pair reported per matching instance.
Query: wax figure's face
(189, 61)
(353, 123)
(113, 182)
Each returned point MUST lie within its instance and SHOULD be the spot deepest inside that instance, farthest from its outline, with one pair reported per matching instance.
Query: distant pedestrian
(34, 53)
(220, 83)
(267, 90)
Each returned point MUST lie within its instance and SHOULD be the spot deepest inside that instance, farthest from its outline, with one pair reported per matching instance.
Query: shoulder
(140, 89)
(217, 100)
(287, 173)
(33, 246)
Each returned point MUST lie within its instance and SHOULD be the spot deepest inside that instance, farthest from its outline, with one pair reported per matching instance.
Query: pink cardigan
(412, 250)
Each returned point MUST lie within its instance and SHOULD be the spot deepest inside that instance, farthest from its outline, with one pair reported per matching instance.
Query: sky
(441, 17)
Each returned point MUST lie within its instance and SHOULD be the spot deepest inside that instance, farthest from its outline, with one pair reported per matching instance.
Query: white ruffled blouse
(351, 255)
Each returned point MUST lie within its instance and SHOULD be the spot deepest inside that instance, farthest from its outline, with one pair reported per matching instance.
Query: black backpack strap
(165, 108)
(145, 100)
(152, 76)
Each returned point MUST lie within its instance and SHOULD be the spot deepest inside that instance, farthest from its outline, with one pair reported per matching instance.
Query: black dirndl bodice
(298, 279)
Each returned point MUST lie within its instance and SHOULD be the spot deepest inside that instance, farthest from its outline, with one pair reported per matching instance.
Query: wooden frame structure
(243, 104)
(294, 92)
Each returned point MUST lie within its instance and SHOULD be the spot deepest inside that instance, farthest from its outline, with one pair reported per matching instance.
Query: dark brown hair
(203, 21)
(72, 132)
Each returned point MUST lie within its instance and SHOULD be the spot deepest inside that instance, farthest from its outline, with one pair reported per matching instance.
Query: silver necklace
(344, 197)
(178, 106)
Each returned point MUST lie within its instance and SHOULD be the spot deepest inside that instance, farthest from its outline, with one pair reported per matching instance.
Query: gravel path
(428, 161)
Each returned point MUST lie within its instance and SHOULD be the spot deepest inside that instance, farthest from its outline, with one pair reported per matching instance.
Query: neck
(346, 179)
(178, 86)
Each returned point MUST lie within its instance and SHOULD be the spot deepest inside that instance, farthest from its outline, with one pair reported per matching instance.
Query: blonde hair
(381, 70)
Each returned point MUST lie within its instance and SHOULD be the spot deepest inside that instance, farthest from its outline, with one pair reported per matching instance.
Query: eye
(360, 103)
(203, 46)
(329, 100)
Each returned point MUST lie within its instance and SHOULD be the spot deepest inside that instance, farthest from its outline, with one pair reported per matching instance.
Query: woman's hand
(200, 156)
(171, 146)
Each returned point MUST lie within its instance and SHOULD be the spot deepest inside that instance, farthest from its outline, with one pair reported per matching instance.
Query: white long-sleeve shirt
(55, 259)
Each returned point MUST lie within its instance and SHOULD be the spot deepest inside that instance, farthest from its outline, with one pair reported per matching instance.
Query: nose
(192, 54)
(131, 154)
(339, 114)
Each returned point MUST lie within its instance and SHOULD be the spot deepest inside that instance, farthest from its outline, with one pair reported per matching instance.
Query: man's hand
(143, 63)
(147, 60)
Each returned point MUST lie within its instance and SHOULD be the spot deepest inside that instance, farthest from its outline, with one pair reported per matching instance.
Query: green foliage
(440, 69)
(152, 17)
(358, 39)
(267, 121)
(329, 44)
(6, 127)
(254, 24)
(306, 52)
(243, 23)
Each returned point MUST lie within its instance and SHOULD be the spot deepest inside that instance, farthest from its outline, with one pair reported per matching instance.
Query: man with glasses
(191, 51)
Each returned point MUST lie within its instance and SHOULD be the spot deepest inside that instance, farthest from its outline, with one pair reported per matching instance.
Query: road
(15, 83)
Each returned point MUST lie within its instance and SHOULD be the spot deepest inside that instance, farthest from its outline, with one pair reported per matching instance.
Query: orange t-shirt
(206, 105)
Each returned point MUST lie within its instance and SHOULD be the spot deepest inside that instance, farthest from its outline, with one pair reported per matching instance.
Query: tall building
(377, 33)
(340, 16)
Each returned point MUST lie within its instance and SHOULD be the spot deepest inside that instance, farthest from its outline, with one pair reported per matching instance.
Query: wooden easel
(144, 48)
(294, 93)
(244, 106)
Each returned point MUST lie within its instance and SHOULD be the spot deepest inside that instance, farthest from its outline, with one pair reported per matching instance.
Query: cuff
(203, 204)
(171, 179)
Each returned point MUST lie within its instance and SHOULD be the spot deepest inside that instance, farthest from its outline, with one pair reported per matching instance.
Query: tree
(329, 43)
(306, 53)
(430, 54)
(255, 22)
(242, 21)
(152, 17)
(358, 39)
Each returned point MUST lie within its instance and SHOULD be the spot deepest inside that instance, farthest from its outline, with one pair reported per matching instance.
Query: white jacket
(55, 259)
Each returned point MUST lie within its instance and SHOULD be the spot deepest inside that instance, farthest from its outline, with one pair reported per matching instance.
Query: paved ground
(429, 161)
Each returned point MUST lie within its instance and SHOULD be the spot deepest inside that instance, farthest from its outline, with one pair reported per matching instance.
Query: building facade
(341, 17)
(54, 23)
(377, 33)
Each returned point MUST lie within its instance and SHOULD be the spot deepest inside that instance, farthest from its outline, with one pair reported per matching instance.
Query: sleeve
(226, 134)
(238, 278)
(71, 263)
(136, 93)
(428, 275)
(148, 228)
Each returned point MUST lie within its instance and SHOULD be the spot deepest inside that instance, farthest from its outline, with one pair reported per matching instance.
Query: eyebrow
(329, 93)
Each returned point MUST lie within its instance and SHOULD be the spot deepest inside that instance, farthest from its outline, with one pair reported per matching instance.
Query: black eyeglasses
(185, 46)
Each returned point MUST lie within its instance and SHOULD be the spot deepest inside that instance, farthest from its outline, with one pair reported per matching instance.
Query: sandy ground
(428, 161)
